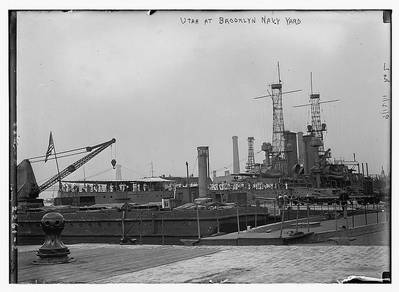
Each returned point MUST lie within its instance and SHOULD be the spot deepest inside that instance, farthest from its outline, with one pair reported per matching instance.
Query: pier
(331, 253)
(318, 231)
(102, 263)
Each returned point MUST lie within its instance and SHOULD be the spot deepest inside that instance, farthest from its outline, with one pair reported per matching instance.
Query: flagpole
(58, 170)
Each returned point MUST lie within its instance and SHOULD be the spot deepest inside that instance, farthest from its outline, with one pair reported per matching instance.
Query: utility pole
(188, 183)
(238, 221)
(198, 224)
(297, 216)
(282, 218)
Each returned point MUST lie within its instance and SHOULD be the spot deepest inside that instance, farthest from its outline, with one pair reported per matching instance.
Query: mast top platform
(276, 86)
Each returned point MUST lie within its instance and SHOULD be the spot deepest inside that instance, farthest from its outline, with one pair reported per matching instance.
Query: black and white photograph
(200, 146)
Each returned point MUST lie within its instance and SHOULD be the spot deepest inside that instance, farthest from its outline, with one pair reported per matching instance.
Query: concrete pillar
(236, 159)
(203, 157)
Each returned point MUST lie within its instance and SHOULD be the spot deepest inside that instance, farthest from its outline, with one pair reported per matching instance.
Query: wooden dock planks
(102, 262)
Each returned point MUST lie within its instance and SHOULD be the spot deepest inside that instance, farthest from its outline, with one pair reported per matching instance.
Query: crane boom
(74, 166)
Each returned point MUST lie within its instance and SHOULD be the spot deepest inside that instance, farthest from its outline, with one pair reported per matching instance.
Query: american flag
(50, 147)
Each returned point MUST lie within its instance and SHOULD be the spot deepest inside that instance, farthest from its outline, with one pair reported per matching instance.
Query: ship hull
(146, 226)
(153, 227)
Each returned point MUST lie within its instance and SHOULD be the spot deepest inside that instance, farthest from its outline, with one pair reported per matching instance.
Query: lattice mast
(278, 140)
(251, 155)
(317, 126)
(278, 147)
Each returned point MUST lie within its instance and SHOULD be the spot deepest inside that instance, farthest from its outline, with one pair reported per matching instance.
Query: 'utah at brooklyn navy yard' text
(242, 20)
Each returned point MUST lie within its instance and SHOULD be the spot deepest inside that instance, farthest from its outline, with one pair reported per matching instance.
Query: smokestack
(291, 156)
(236, 159)
(310, 153)
(203, 162)
(301, 148)
(118, 172)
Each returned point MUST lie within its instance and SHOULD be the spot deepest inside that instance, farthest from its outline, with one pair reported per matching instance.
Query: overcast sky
(162, 88)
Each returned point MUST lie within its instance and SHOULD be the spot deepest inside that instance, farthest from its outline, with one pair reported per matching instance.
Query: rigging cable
(43, 180)
(193, 166)
(62, 156)
(62, 152)
(98, 173)
(240, 161)
(135, 172)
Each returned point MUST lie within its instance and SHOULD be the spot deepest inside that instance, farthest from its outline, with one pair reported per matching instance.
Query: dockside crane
(27, 186)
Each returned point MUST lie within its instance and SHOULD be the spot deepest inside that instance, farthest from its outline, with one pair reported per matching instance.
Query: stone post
(53, 250)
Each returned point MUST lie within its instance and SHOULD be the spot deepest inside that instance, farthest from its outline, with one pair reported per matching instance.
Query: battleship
(259, 177)
(296, 170)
